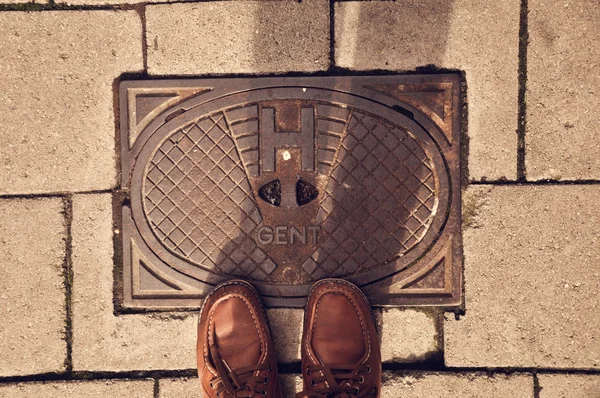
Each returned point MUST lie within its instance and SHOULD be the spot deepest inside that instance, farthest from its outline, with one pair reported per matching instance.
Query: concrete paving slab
(77, 389)
(238, 37)
(57, 120)
(563, 86)
(21, 2)
(531, 279)
(569, 386)
(179, 388)
(190, 387)
(397, 385)
(32, 292)
(453, 385)
(105, 2)
(101, 340)
(407, 336)
(291, 384)
(475, 36)
(286, 330)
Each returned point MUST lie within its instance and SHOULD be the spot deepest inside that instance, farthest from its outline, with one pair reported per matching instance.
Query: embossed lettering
(265, 235)
(295, 233)
(315, 231)
(281, 235)
(288, 235)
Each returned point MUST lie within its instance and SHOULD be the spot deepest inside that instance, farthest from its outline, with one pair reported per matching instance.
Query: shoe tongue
(338, 335)
(236, 334)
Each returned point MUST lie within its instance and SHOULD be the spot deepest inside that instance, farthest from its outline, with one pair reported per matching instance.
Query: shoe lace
(241, 383)
(342, 381)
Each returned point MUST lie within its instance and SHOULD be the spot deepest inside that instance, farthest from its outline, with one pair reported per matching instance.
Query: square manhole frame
(449, 297)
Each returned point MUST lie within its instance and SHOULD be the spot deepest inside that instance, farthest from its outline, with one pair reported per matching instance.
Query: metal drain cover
(284, 181)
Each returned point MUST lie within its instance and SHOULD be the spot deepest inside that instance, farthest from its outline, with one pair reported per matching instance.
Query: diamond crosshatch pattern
(379, 201)
(199, 201)
(383, 156)
(377, 205)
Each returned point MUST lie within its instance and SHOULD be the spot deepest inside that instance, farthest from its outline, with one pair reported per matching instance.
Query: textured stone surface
(396, 385)
(286, 331)
(107, 2)
(476, 36)
(21, 2)
(238, 37)
(77, 389)
(531, 279)
(32, 293)
(190, 387)
(179, 388)
(406, 335)
(101, 340)
(57, 116)
(448, 385)
(291, 384)
(569, 386)
(563, 90)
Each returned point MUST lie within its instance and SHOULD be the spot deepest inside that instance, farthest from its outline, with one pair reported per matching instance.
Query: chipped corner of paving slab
(407, 335)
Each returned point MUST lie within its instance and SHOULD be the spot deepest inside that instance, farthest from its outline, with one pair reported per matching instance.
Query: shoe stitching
(246, 301)
(209, 323)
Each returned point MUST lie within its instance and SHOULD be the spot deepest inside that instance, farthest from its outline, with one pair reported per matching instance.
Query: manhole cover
(284, 181)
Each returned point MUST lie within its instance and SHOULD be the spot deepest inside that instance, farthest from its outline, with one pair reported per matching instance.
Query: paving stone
(286, 330)
(569, 386)
(32, 292)
(563, 90)
(77, 389)
(179, 388)
(407, 336)
(20, 2)
(106, 2)
(446, 385)
(238, 37)
(396, 385)
(291, 384)
(477, 36)
(531, 279)
(190, 387)
(101, 340)
(57, 120)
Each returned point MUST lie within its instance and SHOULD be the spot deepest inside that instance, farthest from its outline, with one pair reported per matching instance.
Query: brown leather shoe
(234, 352)
(340, 347)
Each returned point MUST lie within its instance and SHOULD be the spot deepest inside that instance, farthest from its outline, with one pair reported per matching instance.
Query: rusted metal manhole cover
(284, 181)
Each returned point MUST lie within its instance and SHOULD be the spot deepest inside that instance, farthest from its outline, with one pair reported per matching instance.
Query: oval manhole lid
(283, 186)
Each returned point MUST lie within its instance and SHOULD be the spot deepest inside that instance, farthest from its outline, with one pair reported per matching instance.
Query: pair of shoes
(340, 347)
